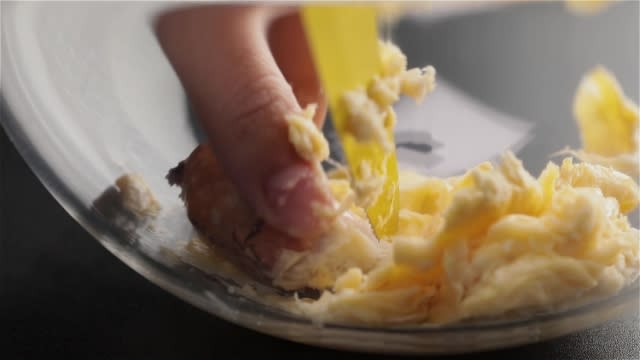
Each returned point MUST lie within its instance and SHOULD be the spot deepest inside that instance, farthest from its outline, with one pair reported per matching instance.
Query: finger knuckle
(261, 100)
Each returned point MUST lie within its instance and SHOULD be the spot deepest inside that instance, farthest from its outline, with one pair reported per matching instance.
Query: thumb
(223, 60)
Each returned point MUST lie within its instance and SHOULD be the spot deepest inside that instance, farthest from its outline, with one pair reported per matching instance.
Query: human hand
(244, 69)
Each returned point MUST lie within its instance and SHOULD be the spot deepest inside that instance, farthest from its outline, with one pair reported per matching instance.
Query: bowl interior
(92, 98)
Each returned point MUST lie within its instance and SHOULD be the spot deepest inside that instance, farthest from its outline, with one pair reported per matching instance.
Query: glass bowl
(89, 97)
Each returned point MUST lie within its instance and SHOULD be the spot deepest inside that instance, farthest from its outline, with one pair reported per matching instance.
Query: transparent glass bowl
(89, 97)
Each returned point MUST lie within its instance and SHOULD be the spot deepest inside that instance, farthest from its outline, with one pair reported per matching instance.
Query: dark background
(61, 293)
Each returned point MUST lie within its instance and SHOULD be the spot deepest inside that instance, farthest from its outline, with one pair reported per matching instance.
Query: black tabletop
(62, 293)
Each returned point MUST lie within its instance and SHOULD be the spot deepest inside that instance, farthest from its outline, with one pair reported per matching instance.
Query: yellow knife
(344, 45)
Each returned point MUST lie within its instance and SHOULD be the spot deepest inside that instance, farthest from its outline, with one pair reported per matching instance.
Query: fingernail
(299, 202)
